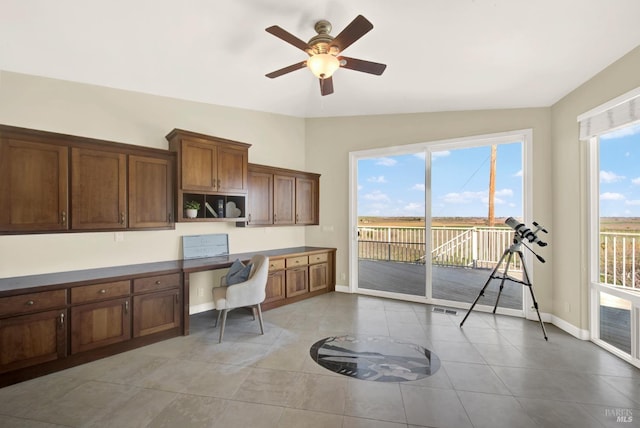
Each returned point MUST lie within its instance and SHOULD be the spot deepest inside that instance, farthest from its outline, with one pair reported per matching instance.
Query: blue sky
(395, 186)
(620, 173)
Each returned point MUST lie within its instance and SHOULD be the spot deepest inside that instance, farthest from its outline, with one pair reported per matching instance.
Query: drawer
(97, 292)
(32, 302)
(157, 282)
(276, 264)
(318, 258)
(297, 261)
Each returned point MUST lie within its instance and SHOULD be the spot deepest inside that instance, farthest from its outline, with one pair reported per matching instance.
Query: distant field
(608, 224)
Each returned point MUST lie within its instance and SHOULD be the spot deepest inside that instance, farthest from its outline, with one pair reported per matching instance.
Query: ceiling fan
(323, 50)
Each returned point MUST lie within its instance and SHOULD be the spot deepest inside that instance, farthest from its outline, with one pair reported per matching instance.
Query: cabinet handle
(103, 291)
(63, 218)
(30, 303)
(219, 184)
(297, 218)
(275, 219)
(249, 219)
(122, 218)
(177, 298)
(126, 306)
(158, 282)
(170, 220)
(62, 320)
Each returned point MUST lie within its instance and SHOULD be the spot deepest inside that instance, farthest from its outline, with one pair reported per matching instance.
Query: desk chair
(249, 293)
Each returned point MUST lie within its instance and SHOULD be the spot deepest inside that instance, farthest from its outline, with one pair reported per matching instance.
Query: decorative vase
(191, 213)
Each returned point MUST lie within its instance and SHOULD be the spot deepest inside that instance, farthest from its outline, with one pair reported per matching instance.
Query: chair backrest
(253, 290)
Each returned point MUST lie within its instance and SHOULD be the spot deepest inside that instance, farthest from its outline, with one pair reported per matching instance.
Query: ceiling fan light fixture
(323, 65)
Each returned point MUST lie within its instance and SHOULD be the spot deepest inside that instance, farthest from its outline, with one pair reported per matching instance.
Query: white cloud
(359, 187)
(419, 187)
(518, 174)
(414, 208)
(482, 196)
(609, 196)
(610, 177)
(622, 132)
(635, 202)
(504, 192)
(441, 154)
(386, 162)
(636, 181)
(376, 195)
(378, 179)
(421, 155)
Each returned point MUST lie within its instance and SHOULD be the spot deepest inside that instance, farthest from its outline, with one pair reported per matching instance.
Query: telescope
(523, 232)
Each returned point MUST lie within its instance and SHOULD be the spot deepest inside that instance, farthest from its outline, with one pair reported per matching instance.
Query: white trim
(203, 307)
(343, 289)
(576, 332)
(610, 104)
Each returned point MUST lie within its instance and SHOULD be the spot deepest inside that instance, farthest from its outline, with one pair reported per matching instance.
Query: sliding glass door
(428, 219)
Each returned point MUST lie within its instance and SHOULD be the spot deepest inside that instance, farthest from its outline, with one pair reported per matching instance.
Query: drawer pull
(126, 307)
(61, 320)
(103, 291)
(30, 303)
(157, 282)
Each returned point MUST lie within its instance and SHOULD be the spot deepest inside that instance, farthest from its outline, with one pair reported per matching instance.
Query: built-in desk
(53, 321)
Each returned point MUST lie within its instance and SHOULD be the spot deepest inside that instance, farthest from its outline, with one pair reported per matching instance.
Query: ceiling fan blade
(356, 29)
(287, 37)
(362, 65)
(326, 86)
(285, 70)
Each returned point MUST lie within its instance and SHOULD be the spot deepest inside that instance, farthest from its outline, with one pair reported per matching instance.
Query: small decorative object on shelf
(191, 209)
(220, 208)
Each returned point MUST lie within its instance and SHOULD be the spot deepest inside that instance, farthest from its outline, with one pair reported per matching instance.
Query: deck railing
(482, 247)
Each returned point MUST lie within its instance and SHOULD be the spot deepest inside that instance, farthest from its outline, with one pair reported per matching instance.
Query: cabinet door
(199, 166)
(318, 276)
(297, 281)
(33, 186)
(150, 192)
(306, 201)
(98, 189)
(275, 286)
(232, 170)
(156, 312)
(284, 188)
(260, 198)
(32, 339)
(100, 324)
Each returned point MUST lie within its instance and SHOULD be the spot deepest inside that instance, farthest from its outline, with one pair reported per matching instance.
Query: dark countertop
(15, 285)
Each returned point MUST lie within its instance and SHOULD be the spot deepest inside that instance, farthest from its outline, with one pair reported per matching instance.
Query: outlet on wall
(343, 276)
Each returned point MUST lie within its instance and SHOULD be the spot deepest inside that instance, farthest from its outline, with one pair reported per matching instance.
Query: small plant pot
(191, 213)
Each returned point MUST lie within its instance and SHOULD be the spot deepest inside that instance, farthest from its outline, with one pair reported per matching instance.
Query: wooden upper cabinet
(150, 192)
(260, 198)
(306, 201)
(232, 169)
(284, 188)
(34, 186)
(199, 166)
(98, 189)
(210, 164)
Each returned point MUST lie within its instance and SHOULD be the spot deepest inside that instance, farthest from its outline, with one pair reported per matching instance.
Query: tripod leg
(533, 298)
(504, 277)
(493, 272)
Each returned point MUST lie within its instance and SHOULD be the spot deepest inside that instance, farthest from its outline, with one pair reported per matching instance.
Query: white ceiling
(440, 54)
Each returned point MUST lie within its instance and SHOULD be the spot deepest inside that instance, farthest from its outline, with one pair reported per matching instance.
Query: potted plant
(191, 209)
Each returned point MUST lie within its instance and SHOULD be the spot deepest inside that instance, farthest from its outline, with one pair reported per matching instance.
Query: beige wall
(127, 117)
(329, 142)
(570, 197)
(318, 145)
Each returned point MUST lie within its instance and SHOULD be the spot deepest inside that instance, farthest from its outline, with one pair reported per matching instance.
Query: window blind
(618, 112)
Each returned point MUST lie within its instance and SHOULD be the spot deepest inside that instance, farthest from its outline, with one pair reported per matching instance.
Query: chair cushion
(238, 272)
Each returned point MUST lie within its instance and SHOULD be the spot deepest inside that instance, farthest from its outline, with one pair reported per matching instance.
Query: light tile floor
(497, 371)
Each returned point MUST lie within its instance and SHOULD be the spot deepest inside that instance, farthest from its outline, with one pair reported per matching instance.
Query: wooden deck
(449, 283)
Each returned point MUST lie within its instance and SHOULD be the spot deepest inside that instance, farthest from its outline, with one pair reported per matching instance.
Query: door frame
(525, 136)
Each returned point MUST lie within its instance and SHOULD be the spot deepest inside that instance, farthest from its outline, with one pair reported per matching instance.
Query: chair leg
(217, 319)
(260, 318)
(224, 321)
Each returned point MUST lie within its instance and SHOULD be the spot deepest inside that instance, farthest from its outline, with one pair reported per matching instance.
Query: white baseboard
(342, 288)
(570, 328)
(203, 307)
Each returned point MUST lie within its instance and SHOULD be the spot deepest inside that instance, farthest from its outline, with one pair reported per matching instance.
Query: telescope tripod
(508, 254)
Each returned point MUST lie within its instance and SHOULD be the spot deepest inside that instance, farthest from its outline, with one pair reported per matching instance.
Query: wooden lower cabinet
(275, 286)
(318, 276)
(297, 281)
(156, 312)
(100, 324)
(28, 340)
